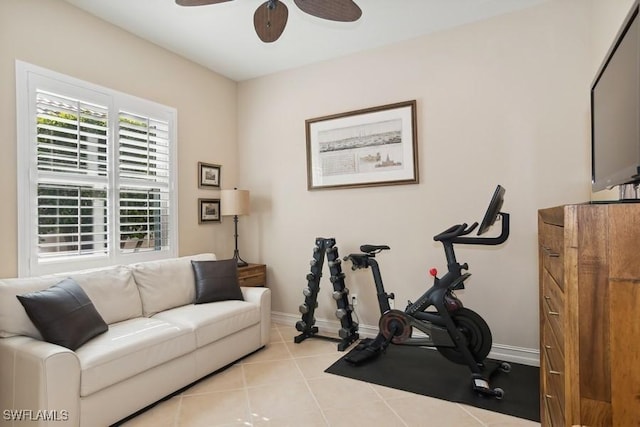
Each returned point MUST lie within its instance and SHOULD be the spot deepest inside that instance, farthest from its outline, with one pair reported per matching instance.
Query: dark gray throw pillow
(64, 314)
(216, 281)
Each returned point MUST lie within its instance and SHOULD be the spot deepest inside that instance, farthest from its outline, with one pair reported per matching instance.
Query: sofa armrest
(39, 383)
(261, 297)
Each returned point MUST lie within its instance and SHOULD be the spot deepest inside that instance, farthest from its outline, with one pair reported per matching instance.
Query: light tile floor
(285, 385)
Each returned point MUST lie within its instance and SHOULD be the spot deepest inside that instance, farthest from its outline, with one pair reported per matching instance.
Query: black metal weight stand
(348, 332)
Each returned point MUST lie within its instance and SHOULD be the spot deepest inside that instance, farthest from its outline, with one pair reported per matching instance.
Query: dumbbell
(338, 294)
(334, 279)
(341, 312)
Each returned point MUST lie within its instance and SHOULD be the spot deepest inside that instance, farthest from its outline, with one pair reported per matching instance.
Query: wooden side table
(253, 275)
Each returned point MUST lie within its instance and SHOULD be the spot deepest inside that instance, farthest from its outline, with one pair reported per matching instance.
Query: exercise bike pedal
(481, 385)
(367, 349)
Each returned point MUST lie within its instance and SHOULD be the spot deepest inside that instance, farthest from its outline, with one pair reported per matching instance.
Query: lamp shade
(234, 202)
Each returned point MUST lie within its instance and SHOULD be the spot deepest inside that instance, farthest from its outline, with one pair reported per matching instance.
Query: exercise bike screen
(493, 209)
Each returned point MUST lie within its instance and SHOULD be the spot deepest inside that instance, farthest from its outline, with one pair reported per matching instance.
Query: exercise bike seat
(373, 249)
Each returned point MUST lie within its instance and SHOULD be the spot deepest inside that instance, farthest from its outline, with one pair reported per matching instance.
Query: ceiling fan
(270, 18)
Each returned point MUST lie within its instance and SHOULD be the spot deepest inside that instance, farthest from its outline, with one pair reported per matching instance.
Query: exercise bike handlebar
(455, 231)
(455, 234)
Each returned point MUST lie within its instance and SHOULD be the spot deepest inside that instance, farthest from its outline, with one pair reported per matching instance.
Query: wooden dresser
(589, 270)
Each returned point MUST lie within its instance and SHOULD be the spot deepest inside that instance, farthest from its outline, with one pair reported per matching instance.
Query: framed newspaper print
(369, 147)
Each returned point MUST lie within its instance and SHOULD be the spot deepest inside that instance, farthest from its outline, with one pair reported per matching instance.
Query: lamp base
(239, 261)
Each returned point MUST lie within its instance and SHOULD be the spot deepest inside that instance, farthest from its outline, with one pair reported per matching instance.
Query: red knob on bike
(433, 272)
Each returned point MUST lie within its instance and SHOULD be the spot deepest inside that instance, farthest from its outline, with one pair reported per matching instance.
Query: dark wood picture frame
(208, 210)
(208, 175)
(370, 147)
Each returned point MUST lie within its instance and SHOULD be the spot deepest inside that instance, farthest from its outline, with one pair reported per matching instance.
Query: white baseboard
(508, 353)
(522, 355)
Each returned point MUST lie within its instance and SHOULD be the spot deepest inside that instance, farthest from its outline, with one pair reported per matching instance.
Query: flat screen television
(615, 110)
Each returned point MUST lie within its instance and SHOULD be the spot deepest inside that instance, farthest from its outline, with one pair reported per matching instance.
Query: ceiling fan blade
(269, 20)
(198, 2)
(333, 10)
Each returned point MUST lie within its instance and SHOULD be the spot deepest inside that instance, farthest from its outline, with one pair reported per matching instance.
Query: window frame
(30, 77)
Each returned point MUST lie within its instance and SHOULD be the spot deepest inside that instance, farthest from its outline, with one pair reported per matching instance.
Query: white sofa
(157, 342)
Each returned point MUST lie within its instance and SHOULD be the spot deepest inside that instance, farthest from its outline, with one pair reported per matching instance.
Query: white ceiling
(221, 36)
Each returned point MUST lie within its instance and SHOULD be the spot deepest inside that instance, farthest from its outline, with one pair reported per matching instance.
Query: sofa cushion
(63, 314)
(128, 348)
(166, 284)
(213, 321)
(216, 280)
(112, 291)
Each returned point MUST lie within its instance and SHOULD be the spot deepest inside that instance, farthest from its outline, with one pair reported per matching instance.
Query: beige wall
(504, 101)
(607, 19)
(58, 36)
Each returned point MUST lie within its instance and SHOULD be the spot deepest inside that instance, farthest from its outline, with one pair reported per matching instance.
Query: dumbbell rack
(348, 332)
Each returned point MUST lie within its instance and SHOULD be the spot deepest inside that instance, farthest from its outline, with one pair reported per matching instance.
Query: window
(96, 178)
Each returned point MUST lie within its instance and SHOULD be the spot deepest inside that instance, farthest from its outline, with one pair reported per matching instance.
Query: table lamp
(234, 203)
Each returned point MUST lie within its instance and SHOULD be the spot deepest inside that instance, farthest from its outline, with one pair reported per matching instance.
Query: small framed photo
(208, 175)
(209, 210)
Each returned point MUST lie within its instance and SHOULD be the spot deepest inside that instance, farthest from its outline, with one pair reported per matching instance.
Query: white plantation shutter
(143, 163)
(72, 220)
(71, 135)
(144, 149)
(144, 218)
(72, 165)
(95, 174)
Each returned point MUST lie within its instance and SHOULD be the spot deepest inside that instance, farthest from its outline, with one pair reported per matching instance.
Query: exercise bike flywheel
(395, 325)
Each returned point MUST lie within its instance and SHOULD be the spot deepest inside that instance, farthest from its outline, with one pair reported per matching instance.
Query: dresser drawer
(252, 275)
(553, 346)
(554, 366)
(553, 306)
(553, 410)
(552, 251)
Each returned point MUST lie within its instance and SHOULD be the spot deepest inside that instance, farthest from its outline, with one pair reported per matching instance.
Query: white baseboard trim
(508, 353)
(522, 355)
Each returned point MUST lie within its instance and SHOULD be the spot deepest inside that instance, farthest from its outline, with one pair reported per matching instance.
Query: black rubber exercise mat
(424, 371)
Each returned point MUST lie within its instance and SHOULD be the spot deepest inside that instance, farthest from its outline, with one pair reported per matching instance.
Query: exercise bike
(458, 333)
